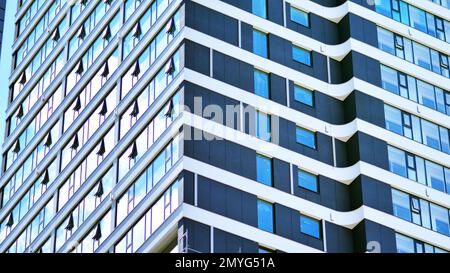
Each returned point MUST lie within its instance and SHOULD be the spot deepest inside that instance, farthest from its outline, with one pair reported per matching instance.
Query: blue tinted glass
(435, 176)
(418, 18)
(430, 134)
(401, 205)
(259, 8)
(397, 162)
(306, 137)
(308, 181)
(265, 216)
(261, 82)
(439, 219)
(299, 17)
(422, 56)
(301, 55)
(383, 7)
(260, 43)
(303, 95)
(404, 244)
(386, 41)
(393, 119)
(264, 170)
(389, 79)
(310, 226)
(263, 126)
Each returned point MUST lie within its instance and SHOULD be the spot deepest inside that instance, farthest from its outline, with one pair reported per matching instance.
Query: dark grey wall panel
(197, 57)
(196, 235)
(368, 231)
(225, 242)
(339, 239)
(211, 22)
(287, 224)
(372, 193)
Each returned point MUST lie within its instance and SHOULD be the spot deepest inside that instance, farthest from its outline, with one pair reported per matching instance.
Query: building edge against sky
(227, 126)
(5, 58)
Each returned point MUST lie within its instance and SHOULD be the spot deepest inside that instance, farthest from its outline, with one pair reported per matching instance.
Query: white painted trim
(347, 219)
(341, 132)
(344, 175)
(245, 231)
(338, 91)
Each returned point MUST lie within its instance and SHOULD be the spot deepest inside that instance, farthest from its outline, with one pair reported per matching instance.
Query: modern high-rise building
(228, 126)
(2, 20)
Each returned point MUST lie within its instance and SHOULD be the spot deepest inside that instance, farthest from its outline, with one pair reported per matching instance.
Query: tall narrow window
(264, 170)
(265, 216)
(260, 43)
(263, 125)
(261, 83)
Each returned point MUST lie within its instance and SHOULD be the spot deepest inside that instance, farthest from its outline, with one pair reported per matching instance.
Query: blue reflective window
(418, 19)
(300, 17)
(308, 181)
(404, 244)
(265, 216)
(310, 226)
(260, 43)
(386, 41)
(303, 95)
(306, 137)
(430, 134)
(422, 56)
(440, 219)
(261, 83)
(397, 161)
(259, 8)
(264, 170)
(435, 176)
(301, 55)
(401, 205)
(263, 126)
(389, 79)
(383, 7)
(393, 119)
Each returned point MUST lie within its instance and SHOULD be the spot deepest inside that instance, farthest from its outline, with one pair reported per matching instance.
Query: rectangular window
(301, 55)
(259, 8)
(260, 43)
(305, 137)
(389, 79)
(386, 41)
(264, 170)
(310, 226)
(263, 126)
(401, 203)
(308, 181)
(303, 95)
(397, 161)
(422, 56)
(418, 19)
(299, 17)
(393, 119)
(265, 216)
(261, 83)
(440, 219)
